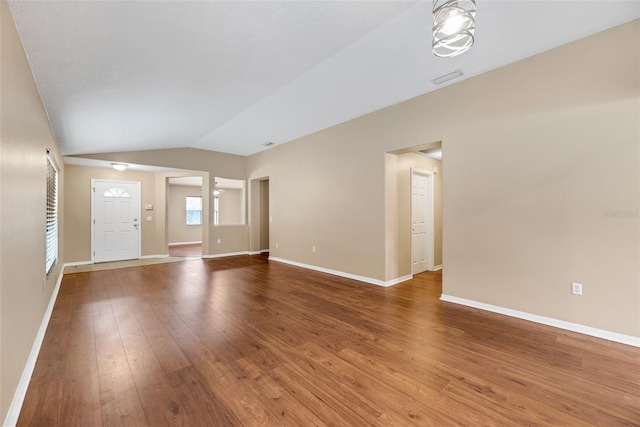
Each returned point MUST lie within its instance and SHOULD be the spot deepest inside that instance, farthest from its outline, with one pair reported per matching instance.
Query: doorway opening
(185, 216)
(408, 253)
(264, 216)
(259, 216)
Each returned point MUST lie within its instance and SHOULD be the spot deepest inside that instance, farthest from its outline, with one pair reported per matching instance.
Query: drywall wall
(179, 231)
(78, 210)
(327, 191)
(25, 135)
(541, 189)
(398, 211)
(231, 206)
(211, 164)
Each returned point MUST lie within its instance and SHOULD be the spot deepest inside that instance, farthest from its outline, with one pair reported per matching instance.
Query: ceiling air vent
(447, 77)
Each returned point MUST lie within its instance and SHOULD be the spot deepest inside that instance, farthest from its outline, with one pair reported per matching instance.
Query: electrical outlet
(313, 248)
(277, 245)
(219, 241)
(576, 288)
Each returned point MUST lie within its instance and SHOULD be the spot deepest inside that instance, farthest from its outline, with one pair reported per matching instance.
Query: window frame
(51, 239)
(187, 210)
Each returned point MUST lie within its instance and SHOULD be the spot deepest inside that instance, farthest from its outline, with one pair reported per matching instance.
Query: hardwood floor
(242, 341)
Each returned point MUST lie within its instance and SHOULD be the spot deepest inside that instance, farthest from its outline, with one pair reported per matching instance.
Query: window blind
(51, 235)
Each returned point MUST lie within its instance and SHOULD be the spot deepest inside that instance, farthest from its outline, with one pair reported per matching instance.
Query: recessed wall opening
(229, 202)
(185, 216)
(413, 207)
(259, 216)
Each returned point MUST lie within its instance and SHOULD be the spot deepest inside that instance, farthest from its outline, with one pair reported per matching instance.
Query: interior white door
(421, 222)
(116, 220)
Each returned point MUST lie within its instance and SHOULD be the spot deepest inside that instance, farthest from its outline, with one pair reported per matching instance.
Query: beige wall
(327, 191)
(231, 206)
(25, 135)
(211, 164)
(398, 211)
(78, 210)
(535, 154)
(179, 231)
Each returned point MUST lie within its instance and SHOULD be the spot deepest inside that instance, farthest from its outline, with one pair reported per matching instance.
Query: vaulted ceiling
(230, 76)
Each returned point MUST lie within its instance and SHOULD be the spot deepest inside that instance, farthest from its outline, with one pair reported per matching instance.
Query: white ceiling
(231, 75)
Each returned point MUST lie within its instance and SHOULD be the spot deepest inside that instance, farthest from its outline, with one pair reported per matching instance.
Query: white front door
(421, 221)
(115, 220)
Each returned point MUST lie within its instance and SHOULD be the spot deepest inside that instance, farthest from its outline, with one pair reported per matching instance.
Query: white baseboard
(23, 385)
(343, 274)
(185, 243)
(76, 264)
(437, 267)
(398, 280)
(154, 256)
(261, 251)
(226, 255)
(569, 326)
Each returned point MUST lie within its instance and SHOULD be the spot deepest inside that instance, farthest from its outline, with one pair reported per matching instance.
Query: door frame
(255, 217)
(93, 217)
(430, 217)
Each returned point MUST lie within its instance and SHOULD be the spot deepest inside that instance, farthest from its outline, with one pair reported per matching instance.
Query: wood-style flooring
(244, 341)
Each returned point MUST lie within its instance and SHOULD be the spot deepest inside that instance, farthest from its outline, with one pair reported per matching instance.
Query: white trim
(569, 326)
(437, 267)
(226, 255)
(343, 274)
(93, 217)
(398, 280)
(430, 216)
(185, 243)
(23, 384)
(76, 264)
(261, 251)
(148, 257)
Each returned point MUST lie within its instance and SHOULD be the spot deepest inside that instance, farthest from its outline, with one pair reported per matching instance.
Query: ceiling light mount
(453, 27)
(119, 166)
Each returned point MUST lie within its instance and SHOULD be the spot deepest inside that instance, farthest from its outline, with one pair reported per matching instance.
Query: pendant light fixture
(453, 26)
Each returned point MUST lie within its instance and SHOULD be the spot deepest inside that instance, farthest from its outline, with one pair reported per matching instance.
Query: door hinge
(94, 189)
(94, 221)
